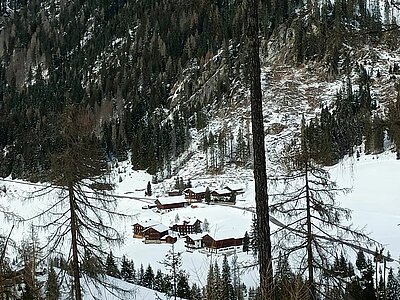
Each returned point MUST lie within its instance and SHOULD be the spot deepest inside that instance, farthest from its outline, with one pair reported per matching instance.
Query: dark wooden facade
(170, 205)
(215, 244)
(152, 233)
(138, 230)
(194, 195)
(187, 227)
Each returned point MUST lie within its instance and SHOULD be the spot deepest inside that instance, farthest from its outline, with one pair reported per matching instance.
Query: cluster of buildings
(191, 229)
(155, 233)
(179, 199)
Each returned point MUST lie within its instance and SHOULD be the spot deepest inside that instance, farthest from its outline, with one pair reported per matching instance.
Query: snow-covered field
(374, 200)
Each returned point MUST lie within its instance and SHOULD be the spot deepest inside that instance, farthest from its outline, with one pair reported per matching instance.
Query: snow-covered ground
(373, 199)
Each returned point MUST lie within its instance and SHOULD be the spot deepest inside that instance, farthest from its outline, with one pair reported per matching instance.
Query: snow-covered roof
(159, 227)
(227, 233)
(196, 236)
(147, 223)
(197, 190)
(189, 221)
(222, 191)
(171, 200)
(234, 187)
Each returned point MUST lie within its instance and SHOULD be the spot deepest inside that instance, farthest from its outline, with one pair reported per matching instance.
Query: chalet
(187, 227)
(195, 194)
(175, 192)
(221, 195)
(155, 233)
(194, 241)
(235, 188)
(170, 202)
(221, 243)
(139, 227)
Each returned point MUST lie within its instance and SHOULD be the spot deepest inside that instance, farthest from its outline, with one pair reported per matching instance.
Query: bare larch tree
(260, 176)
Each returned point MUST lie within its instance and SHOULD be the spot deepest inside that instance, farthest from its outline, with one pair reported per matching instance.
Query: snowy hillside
(373, 199)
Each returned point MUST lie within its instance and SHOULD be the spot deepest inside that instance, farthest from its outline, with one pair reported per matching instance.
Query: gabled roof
(197, 236)
(190, 221)
(147, 223)
(234, 187)
(196, 190)
(159, 228)
(222, 192)
(171, 200)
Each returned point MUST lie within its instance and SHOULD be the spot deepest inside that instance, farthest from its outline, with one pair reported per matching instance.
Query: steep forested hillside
(147, 72)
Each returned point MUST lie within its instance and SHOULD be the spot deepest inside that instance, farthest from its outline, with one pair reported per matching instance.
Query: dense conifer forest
(111, 80)
(149, 71)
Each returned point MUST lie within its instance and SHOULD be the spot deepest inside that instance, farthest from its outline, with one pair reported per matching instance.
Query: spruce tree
(227, 292)
(393, 286)
(52, 286)
(246, 242)
(127, 270)
(148, 278)
(111, 266)
(182, 286)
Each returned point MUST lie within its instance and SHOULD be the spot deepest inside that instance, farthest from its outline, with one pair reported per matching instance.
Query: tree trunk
(74, 244)
(260, 175)
(309, 239)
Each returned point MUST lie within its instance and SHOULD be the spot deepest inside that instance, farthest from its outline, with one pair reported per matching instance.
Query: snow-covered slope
(374, 200)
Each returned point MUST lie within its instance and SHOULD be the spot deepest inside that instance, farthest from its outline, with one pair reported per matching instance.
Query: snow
(373, 199)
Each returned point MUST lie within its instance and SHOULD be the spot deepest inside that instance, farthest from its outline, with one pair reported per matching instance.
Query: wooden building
(139, 227)
(235, 188)
(220, 244)
(175, 192)
(195, 194)
(170, 202)
(155, 232)
(187, 227)
(221, 195)
(194, 241)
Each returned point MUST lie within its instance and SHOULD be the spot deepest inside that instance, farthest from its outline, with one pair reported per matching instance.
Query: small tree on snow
(148, 189)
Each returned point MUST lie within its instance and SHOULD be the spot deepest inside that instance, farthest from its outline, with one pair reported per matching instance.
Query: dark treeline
(122, 61)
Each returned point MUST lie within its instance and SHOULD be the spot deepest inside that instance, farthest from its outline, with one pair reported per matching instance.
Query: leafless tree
(317, 227)
(82, 214)
(260, 176)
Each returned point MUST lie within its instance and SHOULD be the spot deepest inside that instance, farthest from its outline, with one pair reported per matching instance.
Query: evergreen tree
(246, 242)
(111, 266)
(393, 286)
(195, 292)
(227, 291)
(127, 270)
(182, 286)
(148, 189)
(140, 275)
(207, 197)
(148, 278)
(52, 286)
(206, 225)
(283, 278)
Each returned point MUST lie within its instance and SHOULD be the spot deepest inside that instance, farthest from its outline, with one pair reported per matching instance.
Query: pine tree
(127, 270)
(148, 189)
(140, 275)
(283, 278)
(393, 286)
(52, 286)
(227, 292)
(246, 242)
(182, 286)
(195, 292)
(209, 290)
(111, 266)
(148, 278)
